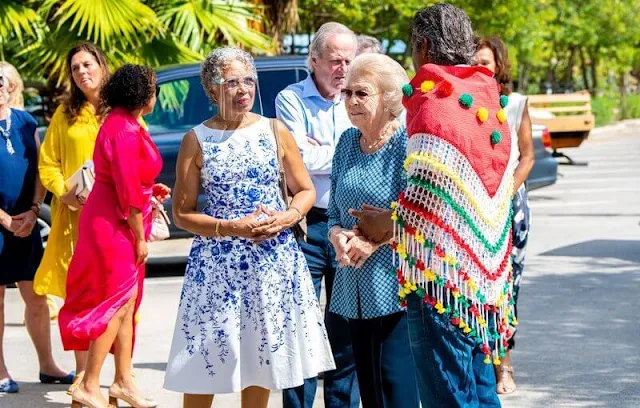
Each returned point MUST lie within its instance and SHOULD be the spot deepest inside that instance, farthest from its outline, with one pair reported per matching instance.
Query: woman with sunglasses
(249, 320)
(368, 169)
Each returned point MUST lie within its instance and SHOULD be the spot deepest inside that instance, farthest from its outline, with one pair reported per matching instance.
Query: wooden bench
(567, 116)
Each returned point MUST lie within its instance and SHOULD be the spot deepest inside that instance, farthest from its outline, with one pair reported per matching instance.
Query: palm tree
(152, 32)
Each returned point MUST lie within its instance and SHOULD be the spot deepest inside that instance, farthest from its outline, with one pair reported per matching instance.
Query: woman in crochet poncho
(452, 223)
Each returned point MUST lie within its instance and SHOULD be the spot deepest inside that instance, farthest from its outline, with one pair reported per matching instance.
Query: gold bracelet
(298, 211)
(218, 228)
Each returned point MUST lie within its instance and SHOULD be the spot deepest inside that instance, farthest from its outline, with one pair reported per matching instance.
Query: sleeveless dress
(19, 257)
(248, 313)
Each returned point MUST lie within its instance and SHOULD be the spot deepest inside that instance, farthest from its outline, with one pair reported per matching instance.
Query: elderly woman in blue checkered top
(367, 169)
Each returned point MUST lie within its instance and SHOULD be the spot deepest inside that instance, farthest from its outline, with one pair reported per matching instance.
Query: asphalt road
(578, 343)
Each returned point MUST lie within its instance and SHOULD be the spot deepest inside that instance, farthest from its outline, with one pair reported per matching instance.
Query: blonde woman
(21, 194)
(15, 87)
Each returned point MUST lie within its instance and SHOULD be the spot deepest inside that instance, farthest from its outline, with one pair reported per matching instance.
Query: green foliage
(632, 106)
(605, 110)
(35, 35)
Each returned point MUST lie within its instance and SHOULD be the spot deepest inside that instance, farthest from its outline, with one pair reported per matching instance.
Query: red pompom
(446, 89)
(455, 321)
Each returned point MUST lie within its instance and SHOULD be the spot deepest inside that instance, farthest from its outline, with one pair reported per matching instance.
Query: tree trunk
(594, 68)
(568, 73)
(623, 91)
(585, 73)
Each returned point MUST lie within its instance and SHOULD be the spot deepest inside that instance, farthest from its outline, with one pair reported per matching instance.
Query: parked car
(183, 104)
(545, 168)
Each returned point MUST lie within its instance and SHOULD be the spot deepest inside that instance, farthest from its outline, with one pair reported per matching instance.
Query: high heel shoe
(116, 393)
(80, 400)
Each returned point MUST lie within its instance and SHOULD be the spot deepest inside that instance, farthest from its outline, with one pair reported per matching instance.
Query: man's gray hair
(322, 35)
(218, 59)
(448, 32)
(366, 41)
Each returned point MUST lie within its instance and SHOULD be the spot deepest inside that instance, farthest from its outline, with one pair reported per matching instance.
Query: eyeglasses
(249, 82)
(361, 96)
(1, 82)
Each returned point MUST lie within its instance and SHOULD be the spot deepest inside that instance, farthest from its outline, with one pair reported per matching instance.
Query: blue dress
(248, 312)
(376, 179)
(19, 257)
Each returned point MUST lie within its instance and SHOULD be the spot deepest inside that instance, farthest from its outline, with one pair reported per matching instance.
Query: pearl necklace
(6, 132)
(382, 137)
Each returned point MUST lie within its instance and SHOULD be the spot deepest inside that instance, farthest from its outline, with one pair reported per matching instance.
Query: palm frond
(198, 23)
(106, 22)
(17, 20)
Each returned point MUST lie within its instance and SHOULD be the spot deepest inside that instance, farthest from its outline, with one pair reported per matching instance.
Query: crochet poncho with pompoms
(453, 221)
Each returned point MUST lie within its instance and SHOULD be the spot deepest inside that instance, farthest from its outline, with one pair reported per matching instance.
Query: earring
(386, 109)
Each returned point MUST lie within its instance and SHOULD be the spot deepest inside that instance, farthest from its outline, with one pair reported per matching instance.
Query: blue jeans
(450, 367)
(384, 362)
(340, 385)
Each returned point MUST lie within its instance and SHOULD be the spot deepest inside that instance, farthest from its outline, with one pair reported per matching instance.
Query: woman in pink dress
(105, 278)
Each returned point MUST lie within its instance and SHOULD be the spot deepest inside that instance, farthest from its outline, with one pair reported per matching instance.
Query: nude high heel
(116, 393)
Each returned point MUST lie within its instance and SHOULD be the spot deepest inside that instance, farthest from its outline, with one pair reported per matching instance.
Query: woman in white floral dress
(248, 319)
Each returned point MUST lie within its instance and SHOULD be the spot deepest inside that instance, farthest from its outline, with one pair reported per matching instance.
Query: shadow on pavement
(35, 394)
(628, 250)
(578, 340)
(151, 366)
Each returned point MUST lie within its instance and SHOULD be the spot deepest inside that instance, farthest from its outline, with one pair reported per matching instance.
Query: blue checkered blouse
(377, 179)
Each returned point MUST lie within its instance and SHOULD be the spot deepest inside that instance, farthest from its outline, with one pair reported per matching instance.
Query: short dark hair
(501, 56)
(448, 33)
(131, 87)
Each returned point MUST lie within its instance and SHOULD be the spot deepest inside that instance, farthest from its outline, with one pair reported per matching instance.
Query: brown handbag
(299, 229)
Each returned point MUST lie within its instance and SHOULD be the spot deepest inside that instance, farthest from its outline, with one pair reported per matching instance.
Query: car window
(273, 81)
(181, 105)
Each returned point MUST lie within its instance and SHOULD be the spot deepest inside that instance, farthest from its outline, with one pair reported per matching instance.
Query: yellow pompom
(462, 324)
(427, 86)
(467, 330)
(414, 288)
(501, 115)
(394, 204)
(407, 290)
(483, 114)
(407, 284)
(401, 293)
(496, 361)
(487, 359)
(394, 216)
(514, 321)
(456, 294)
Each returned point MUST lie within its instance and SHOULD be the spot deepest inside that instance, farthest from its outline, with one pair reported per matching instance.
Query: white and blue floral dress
(248, 313)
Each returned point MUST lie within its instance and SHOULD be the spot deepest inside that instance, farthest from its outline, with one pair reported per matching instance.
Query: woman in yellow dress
(68, 144)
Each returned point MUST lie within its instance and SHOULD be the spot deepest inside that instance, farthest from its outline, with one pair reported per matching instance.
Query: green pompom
(504, 101)
(496, 137)
(407, 90)
(466, 100)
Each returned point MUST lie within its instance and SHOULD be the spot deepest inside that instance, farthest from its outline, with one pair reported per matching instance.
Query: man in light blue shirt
(315, 114)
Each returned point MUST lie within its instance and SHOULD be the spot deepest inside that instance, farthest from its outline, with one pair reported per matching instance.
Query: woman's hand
(142, 252)
(360, 250)
(374, 223)
(27, 221)
(9, 223)
(277, 222)
(244, 227)
(341, 238)
(161, 192)
(70, 199)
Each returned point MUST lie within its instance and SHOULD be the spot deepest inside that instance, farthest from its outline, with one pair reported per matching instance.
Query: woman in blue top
(21, 195)
(368, 168)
